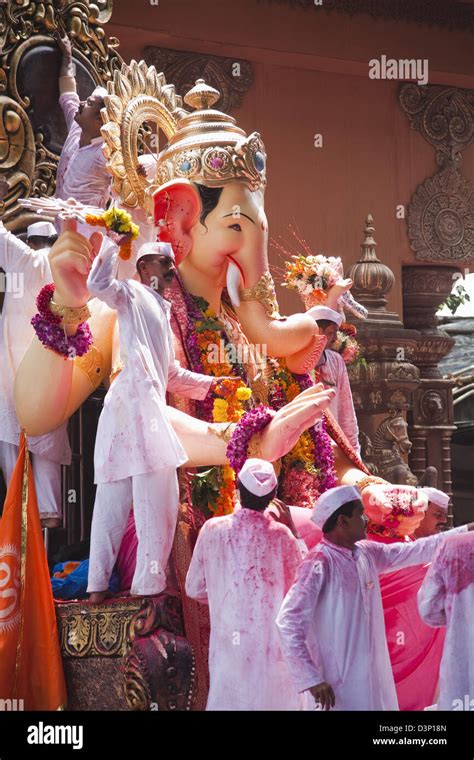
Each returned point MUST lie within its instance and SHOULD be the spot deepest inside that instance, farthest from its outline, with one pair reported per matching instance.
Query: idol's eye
(235, 227)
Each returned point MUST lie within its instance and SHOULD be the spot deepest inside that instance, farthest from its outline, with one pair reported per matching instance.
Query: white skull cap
(437, 497)
(99, 92)
(324, 312)
(330, 501)
(258, 477)
(41, 229)
(157, 249)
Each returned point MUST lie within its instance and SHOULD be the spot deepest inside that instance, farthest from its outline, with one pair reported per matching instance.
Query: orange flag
(30, 659)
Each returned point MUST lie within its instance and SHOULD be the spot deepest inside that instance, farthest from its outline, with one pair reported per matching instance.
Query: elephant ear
(177, 207)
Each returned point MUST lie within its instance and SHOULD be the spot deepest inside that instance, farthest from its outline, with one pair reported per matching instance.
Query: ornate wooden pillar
(383, 386)
(431, 419)
(440, 223)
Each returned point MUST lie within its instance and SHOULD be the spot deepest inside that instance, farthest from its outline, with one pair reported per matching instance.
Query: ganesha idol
(207, 199)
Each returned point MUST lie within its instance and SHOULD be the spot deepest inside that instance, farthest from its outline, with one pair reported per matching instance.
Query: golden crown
(205, 146)
(208, 147)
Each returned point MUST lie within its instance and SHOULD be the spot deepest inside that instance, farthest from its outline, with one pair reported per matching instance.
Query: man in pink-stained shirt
(81, 172)
(331, 370)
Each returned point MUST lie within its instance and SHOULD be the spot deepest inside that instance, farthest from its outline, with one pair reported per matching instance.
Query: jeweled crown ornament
(209, 148)
(205, 146)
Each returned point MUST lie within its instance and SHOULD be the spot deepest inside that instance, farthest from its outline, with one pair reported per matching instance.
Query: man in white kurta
(331, 622)
(446, 598)
(331, 370)
(242, 566)
(137, 451)
(81, 172)
(26, 272)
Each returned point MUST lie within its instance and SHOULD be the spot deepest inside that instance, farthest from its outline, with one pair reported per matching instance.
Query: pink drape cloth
(415, 649)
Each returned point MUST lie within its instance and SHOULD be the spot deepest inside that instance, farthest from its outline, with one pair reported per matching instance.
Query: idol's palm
(292, 420)
(70, 259)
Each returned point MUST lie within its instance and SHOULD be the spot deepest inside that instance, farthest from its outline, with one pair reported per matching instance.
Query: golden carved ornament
(138, 96)
(69, 315)
(370, 480)
(92, 364)
(209, 147)
(254, 449)
(136, 684)
(223, 430)
(264, 292)
(204, 146)
(95, 630)
(26, 161)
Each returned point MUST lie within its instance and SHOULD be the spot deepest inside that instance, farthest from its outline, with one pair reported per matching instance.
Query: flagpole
(24, 531)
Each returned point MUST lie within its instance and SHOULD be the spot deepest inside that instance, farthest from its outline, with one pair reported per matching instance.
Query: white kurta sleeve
(196, 587)
(432, 594)
(346, 415)
(182, 381)
(17, 256)
(303, 549)
(390, 557)
(69, 102)
(102, 282)
(294, 621)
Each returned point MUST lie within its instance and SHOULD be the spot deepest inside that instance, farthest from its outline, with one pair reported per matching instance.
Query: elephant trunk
(296, 337)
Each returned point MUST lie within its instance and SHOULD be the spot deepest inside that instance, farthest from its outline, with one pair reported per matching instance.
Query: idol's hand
(324, 695)
(334, 293)
(70, 259)
(379, 500)
(287, 425)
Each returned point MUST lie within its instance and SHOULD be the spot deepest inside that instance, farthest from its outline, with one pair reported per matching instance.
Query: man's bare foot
(51, 522)
(97, 597)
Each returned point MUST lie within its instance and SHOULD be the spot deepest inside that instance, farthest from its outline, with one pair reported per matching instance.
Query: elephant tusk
(234, 279)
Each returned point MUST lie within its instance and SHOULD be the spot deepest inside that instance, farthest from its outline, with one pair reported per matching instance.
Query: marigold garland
(230, 399)
(118, 221)
(308, 469)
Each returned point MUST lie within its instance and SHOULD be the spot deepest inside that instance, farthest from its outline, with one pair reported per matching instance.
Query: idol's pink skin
(231, 249)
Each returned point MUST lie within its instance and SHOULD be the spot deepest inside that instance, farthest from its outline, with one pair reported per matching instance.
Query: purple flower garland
(324, 457)
(256, 419)
(69, 346)
(47, 327)
(323, 453)
(204, 407)
(252, 422)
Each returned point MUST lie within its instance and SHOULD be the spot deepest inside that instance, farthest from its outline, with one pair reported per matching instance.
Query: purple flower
(52, 336)
(252, 422)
